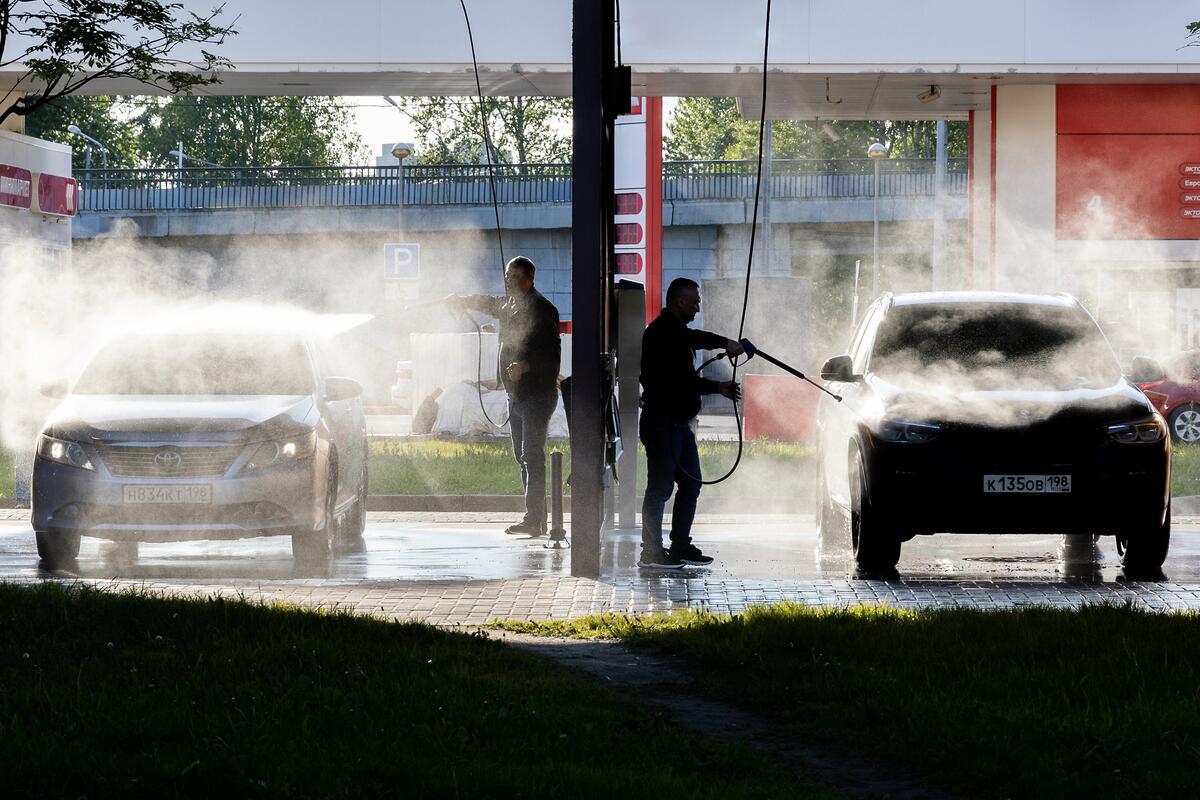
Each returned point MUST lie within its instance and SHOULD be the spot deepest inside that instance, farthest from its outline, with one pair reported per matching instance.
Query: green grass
(1185, 470)
(7, 474)
(449, 467)
(114, 695)
(1100, 702)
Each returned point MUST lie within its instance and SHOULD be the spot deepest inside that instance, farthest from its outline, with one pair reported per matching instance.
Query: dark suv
(982, 412)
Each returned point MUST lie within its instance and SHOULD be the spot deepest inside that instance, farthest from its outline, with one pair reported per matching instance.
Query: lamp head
(74, 129)
(877, 150)
(402, 150)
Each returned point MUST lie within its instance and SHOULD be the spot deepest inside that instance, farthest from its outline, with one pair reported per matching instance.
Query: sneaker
(658, 558)
(691, 555)
(526, 529)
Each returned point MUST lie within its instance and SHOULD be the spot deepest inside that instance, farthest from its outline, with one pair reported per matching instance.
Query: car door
(840, 419)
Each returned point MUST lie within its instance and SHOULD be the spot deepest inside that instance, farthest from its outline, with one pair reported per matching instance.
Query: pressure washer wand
(752, 351)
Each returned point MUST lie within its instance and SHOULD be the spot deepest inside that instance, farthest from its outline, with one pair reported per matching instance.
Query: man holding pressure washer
(671, 392)
(529, 359)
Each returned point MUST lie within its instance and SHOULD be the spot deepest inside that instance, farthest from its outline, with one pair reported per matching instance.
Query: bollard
(558, 534)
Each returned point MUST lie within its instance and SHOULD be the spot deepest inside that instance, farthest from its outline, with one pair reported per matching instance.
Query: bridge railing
(468, 184)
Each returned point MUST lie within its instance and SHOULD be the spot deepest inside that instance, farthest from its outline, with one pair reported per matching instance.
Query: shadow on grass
(1099, 702)
(107, 694)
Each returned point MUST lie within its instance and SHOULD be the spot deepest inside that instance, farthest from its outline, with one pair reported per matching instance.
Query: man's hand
(455, 303)
(516, 370)
(734, 347)
(730, 389)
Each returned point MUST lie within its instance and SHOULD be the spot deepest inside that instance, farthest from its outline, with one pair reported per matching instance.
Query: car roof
(999, 298)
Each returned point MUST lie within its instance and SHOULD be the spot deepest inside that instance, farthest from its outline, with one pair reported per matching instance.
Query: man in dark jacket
(529, 361)
(671, 392)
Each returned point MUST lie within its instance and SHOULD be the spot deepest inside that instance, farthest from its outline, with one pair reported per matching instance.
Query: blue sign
(401, 261)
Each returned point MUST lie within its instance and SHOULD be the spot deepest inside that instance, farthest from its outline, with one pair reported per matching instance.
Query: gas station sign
(16, 186)
(57, 195)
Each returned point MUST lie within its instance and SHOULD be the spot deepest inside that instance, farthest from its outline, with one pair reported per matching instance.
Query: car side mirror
(839, 368)
(1146, 370)
(341, 389)
(56, 388)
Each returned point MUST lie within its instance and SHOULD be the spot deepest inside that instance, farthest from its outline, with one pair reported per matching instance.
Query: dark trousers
(671, 460)
(528, 420)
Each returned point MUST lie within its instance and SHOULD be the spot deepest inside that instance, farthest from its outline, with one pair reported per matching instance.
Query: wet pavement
(462, 568)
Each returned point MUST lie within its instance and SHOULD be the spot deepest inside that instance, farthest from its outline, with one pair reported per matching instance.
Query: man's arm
(703, 340)
(483, 303)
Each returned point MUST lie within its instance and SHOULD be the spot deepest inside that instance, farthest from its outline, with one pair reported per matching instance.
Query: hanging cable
(762, 126)
(488, 154)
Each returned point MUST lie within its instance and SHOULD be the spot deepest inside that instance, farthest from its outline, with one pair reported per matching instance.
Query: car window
(861, 350)
(200, 364)
(993, 346)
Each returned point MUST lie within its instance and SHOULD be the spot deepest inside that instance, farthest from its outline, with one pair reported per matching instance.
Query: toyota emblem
(168, 460)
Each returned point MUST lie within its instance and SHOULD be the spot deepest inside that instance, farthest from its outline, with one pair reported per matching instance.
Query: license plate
(175, 493)
(1026, 484)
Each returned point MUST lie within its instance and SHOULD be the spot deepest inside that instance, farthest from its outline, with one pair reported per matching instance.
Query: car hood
(1011, 408)
(98, 416)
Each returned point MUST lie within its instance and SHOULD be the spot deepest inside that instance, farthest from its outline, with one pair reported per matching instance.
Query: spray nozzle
(749, 349)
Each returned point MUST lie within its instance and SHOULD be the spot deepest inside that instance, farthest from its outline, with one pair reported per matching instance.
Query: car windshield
(993, 346)
(199, 364)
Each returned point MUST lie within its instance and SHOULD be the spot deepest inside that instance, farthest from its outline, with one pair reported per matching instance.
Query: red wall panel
(1128, 187)
(1129, 108)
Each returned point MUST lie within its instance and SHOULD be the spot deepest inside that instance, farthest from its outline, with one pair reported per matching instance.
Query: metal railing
(468, 184)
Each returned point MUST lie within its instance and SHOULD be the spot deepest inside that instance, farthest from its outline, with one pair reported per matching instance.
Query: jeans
(528, 420)
(671, 459)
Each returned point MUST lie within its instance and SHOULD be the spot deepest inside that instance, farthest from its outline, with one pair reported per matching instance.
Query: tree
(107, 119)
(523, 130)
(710, 128)
(63, 45)
(250, 131)
(705, 129)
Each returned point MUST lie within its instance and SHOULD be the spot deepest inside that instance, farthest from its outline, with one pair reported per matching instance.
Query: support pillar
(592, 81)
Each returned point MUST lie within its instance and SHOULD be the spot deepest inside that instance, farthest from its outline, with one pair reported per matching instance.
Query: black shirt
(670, 385)
(529, 333)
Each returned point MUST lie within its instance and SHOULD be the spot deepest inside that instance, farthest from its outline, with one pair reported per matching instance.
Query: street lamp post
(876, 152)
(401, 151)
(87, 155)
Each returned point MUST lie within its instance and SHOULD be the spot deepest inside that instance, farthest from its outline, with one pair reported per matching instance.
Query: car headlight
(1151, 429)
(282, 451)
(908, 432)
(62, 451)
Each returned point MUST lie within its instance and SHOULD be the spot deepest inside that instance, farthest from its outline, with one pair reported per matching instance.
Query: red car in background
(1177, 396)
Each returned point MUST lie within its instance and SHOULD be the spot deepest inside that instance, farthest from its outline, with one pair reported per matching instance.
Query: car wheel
(316, 546)
(830, 525)
(57, 549)
(1146, 550)
(1184, 424)
(875, 548)
(350, 531)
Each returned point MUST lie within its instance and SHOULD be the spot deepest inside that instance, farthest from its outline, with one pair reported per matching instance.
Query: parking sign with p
(401, 261)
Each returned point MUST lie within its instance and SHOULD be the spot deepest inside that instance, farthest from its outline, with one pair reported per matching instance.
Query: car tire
(1184, 424)
(316, 546)
(354, 524)
(875, 548)
(830, 524)
(57, 549)
(1146, 550)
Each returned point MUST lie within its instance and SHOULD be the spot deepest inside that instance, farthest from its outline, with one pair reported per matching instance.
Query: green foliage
(107, 119)
(67, 44)
(522, 129)
(250, 131)
(143, 696)
(710, 128)
(1053, 703)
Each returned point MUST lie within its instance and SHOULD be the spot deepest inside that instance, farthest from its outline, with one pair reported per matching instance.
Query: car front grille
(168, 461)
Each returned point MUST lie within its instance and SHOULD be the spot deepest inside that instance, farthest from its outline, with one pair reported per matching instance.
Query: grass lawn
(1101, 702)
(450, 467)
(116, 695)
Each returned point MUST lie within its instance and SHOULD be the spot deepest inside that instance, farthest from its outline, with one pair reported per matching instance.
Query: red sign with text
(57, 195)
(16, 186)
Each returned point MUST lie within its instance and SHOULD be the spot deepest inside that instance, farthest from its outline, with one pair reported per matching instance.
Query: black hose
(488, 154)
